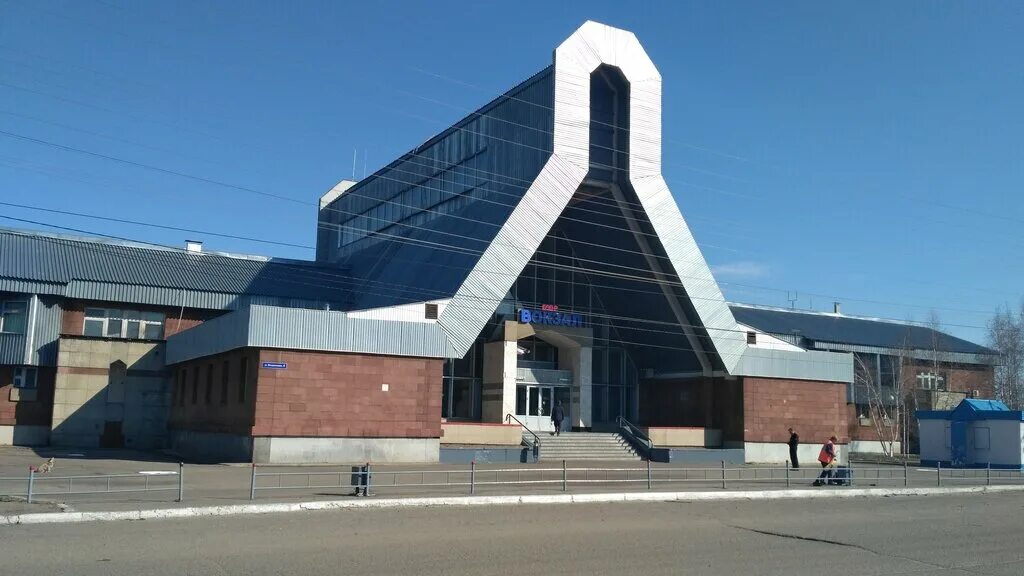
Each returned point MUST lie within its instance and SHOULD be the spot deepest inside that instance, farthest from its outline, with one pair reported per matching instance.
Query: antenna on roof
(364, 162)
(353, 163)
(792, 297)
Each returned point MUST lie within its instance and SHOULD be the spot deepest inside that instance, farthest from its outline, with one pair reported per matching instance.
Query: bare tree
(885, 395)
(1006, 335)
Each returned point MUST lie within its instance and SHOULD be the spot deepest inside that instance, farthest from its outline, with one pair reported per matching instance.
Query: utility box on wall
(976, 434)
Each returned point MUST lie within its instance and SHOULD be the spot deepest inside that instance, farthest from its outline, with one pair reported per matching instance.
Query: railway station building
(530, 255)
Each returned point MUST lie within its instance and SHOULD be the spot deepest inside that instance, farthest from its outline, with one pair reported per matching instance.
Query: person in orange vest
(827, 458)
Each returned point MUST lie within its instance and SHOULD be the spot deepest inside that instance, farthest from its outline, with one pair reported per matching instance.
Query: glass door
(535, 403)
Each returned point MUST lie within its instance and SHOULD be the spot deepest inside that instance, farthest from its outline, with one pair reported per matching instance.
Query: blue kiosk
(975, 434)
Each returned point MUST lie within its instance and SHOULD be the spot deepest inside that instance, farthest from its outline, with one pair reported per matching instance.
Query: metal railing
(37, 484)
(367, 480)
(536, 439)
(635, 436)
(649, 476)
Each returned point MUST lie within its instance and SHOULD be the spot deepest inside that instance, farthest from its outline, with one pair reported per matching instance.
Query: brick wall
(26, 412)
(73, 318)
(816, 410)
(858, 431)
(332, 394)
(968, 378)
(190, 408)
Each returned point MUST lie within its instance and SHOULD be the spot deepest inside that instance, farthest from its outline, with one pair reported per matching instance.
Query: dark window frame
(243, 372)
(209, 383)
(224, 376)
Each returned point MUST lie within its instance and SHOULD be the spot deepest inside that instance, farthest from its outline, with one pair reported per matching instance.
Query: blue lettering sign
(549, 318)
(275, 365)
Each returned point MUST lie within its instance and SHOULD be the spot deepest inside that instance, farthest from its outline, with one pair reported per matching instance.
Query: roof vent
(837, 308)
(193, 246)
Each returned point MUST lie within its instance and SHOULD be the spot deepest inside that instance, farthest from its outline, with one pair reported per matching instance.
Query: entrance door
(535, 402)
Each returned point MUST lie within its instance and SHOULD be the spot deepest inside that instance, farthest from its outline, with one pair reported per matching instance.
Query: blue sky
(869, 152)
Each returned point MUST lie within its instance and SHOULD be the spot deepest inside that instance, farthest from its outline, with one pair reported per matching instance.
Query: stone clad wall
(816, 410)
(198, 401)
(343, 395)
(104, 384)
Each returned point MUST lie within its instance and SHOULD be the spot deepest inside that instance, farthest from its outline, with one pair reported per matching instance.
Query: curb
(272, 508)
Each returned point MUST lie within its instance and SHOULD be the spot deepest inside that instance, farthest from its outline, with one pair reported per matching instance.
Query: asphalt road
(935, 535)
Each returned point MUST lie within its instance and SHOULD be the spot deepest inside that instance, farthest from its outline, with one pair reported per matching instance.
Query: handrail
(536, 439)
(635, 432)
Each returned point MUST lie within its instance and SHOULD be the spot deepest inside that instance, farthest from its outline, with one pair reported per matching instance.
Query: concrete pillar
(708, 395)
(580, 361)
(499, 381)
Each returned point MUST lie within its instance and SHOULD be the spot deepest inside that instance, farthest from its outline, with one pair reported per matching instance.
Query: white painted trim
(414, 312)
(548, 499)
(24, 435)
(870, 447)
(778, 452)
(30, 333)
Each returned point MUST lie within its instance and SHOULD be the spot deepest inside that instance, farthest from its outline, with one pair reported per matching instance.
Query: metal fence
(368, 480)
(36, 484)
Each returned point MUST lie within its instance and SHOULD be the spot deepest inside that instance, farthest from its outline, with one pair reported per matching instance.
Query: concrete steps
(586, 446)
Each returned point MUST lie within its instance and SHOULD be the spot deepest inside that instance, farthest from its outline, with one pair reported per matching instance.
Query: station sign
(550, 316)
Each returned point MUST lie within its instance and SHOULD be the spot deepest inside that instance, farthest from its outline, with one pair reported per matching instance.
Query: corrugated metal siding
(929, 355)
(12, 348)
(334, 331)
(47, 331)
(154, 295)
(217, 335)
(303, 329)
(29, 286)
(809, 365)
(853, 330)
(41, 263)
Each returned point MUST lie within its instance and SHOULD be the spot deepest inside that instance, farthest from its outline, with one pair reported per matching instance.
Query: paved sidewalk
(228, 484)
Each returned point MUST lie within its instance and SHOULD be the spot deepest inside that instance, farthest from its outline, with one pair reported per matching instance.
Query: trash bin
(841, 476)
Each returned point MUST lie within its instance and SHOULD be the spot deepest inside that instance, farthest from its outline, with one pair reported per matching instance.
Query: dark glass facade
(413, 230)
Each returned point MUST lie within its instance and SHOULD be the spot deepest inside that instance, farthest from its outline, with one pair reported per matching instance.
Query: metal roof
(837, 328)
(970, 410)
(70, 261)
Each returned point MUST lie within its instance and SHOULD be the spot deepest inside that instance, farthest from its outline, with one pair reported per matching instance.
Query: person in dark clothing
(794, 443)
(557, 416)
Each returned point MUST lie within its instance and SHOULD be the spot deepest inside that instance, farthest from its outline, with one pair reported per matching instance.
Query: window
(195, 385)
(25, 377)
(982, 437)
(931, 381)
(12, 316)
(224, 383)
(242, 366)
(209, 384)
(751, 337)
(431, 312)
(182, 383)
(130, 324)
